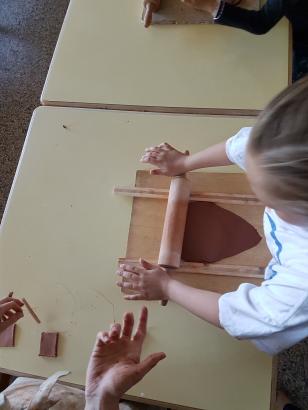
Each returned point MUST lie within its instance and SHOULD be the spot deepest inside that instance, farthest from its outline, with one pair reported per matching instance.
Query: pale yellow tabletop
(62, 233)
(105, 57)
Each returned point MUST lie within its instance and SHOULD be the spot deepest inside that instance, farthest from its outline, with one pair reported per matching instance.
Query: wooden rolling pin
(149, 7)
(174, 224)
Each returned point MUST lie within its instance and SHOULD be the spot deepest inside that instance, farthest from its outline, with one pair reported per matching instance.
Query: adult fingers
(115, 331)
(128, 324)
(142, 325)
(148, 363)
(11, 320)
(8, 314)
(10, 299)
(99, 342)
(105, 337)
(10, 306)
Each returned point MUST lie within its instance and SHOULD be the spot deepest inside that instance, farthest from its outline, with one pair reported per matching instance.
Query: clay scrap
(30, 310)
(49, 344)
(7, 337)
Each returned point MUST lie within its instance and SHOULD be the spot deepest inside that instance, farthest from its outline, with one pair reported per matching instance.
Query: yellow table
(105, 58)
(61, 235)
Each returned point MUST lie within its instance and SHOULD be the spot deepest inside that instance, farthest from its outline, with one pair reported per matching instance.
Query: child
(274, 154)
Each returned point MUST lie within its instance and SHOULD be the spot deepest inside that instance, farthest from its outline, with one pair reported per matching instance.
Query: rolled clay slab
(213, 233)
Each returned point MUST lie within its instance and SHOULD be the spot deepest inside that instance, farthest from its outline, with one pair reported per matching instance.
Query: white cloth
(273, 316)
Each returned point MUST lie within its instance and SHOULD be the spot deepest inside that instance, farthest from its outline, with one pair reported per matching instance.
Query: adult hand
(115, 364)
(10, 312)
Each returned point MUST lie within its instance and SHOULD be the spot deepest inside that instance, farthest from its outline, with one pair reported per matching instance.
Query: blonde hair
(279, 142)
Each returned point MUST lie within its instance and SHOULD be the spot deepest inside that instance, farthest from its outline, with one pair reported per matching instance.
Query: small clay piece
(11, 294)
(49, 344)
(7, 337)
(213, 233)
(149, 7)
(31, 311)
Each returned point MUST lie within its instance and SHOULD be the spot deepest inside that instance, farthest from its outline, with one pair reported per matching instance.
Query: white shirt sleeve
(236, 147)
(254, 311)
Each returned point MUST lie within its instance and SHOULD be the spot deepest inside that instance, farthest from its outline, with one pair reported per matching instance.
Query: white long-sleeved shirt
(273, 316)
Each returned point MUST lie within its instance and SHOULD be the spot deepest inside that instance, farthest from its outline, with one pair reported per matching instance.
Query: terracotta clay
(49, 344)
(213, 233)
(174, 224)
(7, 337)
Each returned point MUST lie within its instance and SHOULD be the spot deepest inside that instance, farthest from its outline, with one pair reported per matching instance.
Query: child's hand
(10, 312)
(169, 160)
(149, 282)
(210, 6)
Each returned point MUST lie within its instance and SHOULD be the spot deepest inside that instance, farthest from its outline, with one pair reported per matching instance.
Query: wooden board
(147, 222)
(61, 235)
(175, 12)
(105, 58)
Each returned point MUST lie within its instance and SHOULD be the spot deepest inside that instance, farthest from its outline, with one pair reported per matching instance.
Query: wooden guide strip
(211, 269)
(30, 310)
(225, 112)
(159, 193)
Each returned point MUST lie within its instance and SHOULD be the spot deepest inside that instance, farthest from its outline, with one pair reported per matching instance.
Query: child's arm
(169, 161)
(150, 282)
(201, 303)
(254, 21)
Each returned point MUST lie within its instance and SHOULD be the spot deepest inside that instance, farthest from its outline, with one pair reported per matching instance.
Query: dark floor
(28, 34)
